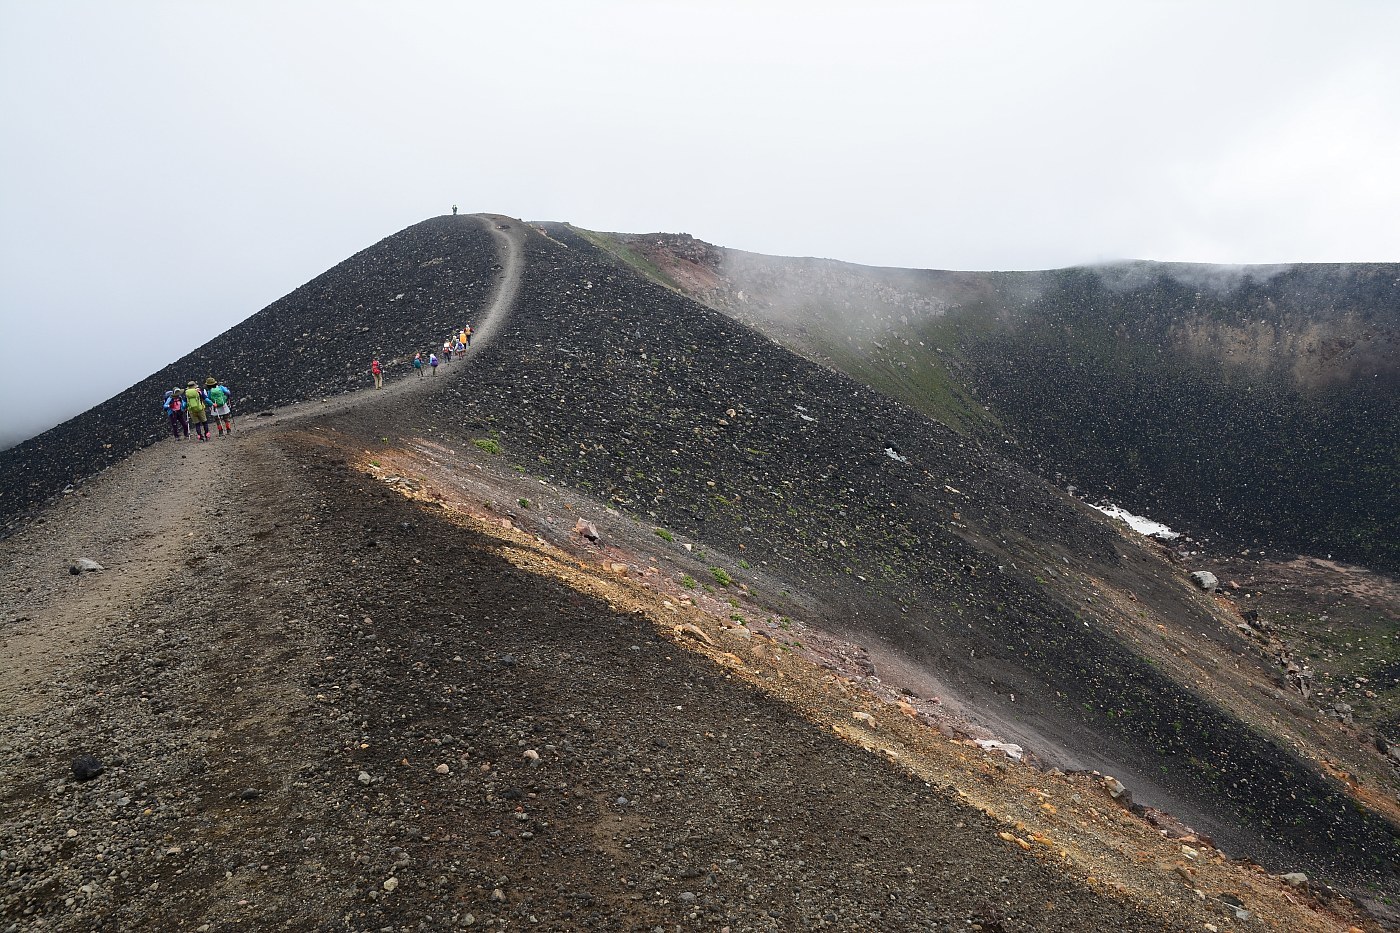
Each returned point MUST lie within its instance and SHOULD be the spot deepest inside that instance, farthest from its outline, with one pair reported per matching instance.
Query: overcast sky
(170, 168)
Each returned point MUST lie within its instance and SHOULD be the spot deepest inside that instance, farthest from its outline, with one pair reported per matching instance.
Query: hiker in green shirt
(219, 396)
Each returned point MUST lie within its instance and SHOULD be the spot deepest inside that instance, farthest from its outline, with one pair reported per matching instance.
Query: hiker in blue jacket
(174, 409)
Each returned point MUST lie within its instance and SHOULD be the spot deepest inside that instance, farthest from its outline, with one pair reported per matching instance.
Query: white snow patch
(894, 455)
(1143, 526)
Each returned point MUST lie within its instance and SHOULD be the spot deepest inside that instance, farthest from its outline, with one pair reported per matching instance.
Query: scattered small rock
(694, 631)
(1118, 791)
(1206, 580)
(1009, 749)
(87, 767)
(587, 529)
(83, 565)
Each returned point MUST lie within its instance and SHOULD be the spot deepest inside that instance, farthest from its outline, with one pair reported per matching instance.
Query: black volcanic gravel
(913, 535)
(619, 387)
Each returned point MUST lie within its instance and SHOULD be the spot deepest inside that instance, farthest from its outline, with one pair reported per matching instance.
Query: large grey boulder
(1206, 580)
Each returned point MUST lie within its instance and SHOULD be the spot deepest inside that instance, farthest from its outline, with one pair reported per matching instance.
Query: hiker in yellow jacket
(197, 404)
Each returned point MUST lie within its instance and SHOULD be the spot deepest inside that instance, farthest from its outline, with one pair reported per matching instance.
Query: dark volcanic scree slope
(1257, 404)
(863, 515)
(908, 534)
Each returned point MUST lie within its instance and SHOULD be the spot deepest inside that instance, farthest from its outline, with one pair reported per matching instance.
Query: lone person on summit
(454, 210)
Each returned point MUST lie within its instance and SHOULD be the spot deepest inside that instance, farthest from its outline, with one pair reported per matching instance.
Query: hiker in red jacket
(377, 373)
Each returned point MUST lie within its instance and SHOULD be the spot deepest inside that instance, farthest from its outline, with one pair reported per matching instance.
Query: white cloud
(171, 168)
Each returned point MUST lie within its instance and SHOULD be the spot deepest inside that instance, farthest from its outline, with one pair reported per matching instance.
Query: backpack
(176, 403)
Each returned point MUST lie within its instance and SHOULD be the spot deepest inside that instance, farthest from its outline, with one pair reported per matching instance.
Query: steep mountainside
(984, 584)
(845, 542)
(404, 294)
(1260, 404)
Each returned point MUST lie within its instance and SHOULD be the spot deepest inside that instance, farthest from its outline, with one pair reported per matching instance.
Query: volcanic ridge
(711, 590)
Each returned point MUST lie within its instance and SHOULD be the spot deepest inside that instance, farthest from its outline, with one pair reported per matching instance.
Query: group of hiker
(423, 364)
(198, 405)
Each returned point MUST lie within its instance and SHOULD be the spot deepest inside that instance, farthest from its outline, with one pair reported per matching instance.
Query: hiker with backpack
(467, 333)
(219, 397)
(174, 408)
(197, 404)
(418, 364)
(433, 362)
(377, 373)
(447, 351)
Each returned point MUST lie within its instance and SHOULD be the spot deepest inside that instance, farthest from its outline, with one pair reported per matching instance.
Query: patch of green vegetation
(488, 445)
(663, 534)
(744, 565)
(374, 463)
(722, 578)
(688, 581)
(628, 255)
(524, 503)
